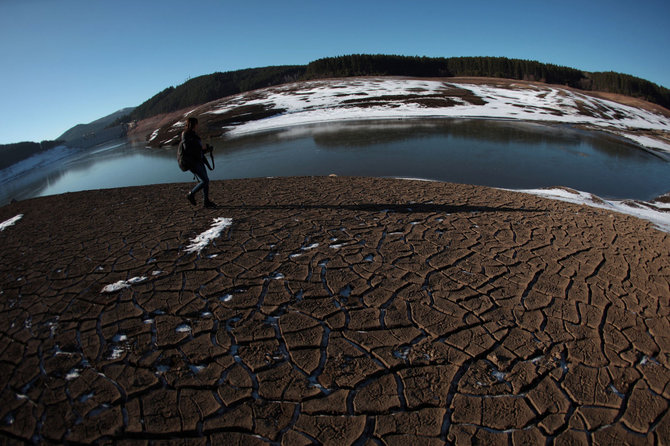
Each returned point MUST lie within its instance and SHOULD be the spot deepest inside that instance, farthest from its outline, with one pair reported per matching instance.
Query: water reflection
(499, 132)
(493, 153)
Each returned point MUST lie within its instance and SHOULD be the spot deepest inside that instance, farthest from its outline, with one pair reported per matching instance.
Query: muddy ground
(332, 311)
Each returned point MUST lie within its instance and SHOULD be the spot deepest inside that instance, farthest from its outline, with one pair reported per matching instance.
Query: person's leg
(200, 171)
(205, 187)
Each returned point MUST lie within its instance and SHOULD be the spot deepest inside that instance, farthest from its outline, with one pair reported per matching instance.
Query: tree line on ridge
(213, 86)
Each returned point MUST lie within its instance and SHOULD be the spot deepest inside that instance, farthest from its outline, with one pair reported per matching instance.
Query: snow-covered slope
(380, 98)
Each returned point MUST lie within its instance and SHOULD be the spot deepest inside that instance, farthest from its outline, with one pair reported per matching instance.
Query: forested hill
(13, 153)
(217, 85)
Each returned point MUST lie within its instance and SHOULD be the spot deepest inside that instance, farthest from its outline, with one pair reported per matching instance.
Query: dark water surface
(492, 153)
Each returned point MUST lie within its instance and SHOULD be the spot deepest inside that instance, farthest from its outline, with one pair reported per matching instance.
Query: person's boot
(209, 204)
(191, 198)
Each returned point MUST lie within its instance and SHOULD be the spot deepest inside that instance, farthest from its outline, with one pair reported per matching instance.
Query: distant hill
(202, 89)
(81, 131)
(13, 153)
(217, 85)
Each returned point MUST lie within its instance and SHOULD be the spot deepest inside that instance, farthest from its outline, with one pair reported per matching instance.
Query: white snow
(646, 141)
(417, 179)
(655, 212)
(72, 374)
(154, 134)
(202, 240)
(116, 353)
(183, 328)
(37, 161)
(336, 100)
(121, 284)
(7, 223)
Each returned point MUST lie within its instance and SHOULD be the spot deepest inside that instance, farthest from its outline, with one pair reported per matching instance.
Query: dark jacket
(192, 148)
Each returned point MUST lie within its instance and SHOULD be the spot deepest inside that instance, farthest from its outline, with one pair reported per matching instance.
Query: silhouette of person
(194, 155)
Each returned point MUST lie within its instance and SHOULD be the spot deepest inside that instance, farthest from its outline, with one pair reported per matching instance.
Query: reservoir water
(504, 154)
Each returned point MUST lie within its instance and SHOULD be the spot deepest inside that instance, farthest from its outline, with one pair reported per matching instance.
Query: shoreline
(642, 142)
(396, 97)
(656, 211)
(332, 308)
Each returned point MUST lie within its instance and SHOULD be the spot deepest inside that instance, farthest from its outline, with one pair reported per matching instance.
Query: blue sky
(66, 62)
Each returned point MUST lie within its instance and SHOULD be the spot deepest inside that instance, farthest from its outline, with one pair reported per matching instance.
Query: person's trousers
(200, 171)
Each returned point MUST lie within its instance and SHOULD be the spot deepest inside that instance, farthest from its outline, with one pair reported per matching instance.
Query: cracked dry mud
(332, 311)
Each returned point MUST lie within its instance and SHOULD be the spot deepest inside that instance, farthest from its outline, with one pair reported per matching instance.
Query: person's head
(191, 123)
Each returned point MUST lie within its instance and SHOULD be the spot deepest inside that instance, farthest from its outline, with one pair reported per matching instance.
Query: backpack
(181, 158)
(188, 152)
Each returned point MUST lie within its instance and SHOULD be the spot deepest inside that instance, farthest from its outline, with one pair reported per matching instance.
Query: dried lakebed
(332, 311)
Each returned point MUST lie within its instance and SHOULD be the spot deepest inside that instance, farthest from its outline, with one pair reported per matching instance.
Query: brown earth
(332, 311)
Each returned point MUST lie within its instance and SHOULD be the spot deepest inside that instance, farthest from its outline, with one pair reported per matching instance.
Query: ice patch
(426, 180)
(72, 374)
(646, 359)
(498, 375)
(204, 239)
(402, 353)
(52, 326)
(196, 368)
(10, 222)
(121, 284)
(226, 298)
(647, 141)
(86, 397)
(162, 369)
(183, 328)
(116, 353)
(653, 212)
(615, 391)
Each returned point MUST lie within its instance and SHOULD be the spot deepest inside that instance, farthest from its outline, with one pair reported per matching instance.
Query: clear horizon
(72, 62)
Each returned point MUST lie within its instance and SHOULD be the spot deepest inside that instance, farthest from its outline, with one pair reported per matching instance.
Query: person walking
(194, 158)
